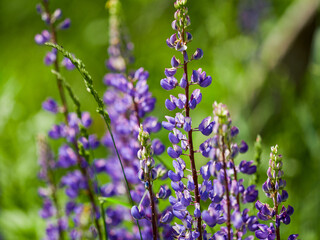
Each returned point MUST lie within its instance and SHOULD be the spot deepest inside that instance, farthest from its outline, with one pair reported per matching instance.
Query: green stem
(104, 221)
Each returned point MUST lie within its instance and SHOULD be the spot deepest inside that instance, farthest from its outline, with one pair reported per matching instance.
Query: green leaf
(114, 200)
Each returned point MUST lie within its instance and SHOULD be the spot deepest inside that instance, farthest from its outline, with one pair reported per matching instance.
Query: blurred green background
(264, 57)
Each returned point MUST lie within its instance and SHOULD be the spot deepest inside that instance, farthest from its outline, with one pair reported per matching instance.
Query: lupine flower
(129, 102)
(50, 105)
(67, 64)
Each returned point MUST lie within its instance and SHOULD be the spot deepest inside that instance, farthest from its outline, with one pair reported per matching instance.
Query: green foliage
(114, 201)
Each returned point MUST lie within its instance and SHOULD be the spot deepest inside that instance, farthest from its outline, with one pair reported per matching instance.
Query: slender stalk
(276, 206)
(236, 178)
(99, 192)
(122, 168)
(65, 111)
(191, 150)
(153, 209)
(275, 202)
(104, 221)
(45, 160)
(228, 223)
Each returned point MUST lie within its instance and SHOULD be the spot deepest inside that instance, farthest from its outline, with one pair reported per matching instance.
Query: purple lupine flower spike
(74, 181)
(183, 122)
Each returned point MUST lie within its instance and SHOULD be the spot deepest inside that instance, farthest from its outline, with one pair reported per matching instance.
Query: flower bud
(198, 54)
(189, 36)
(56, 15)
(167, 217)
(136, 214)
(174, 25)
(183, 81)
(65, 24)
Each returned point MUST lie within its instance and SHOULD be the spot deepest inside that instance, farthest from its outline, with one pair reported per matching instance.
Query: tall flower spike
(274, 189)
(186, 195)
(69, 156)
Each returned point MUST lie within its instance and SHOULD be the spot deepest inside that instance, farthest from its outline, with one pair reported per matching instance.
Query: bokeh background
(264, 57)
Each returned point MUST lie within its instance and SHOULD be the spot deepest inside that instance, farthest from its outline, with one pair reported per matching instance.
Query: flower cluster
(211, 197)
(274, 189)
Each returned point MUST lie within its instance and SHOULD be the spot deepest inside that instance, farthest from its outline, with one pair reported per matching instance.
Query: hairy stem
(276, 206)
(153, 209)
(191, 150)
